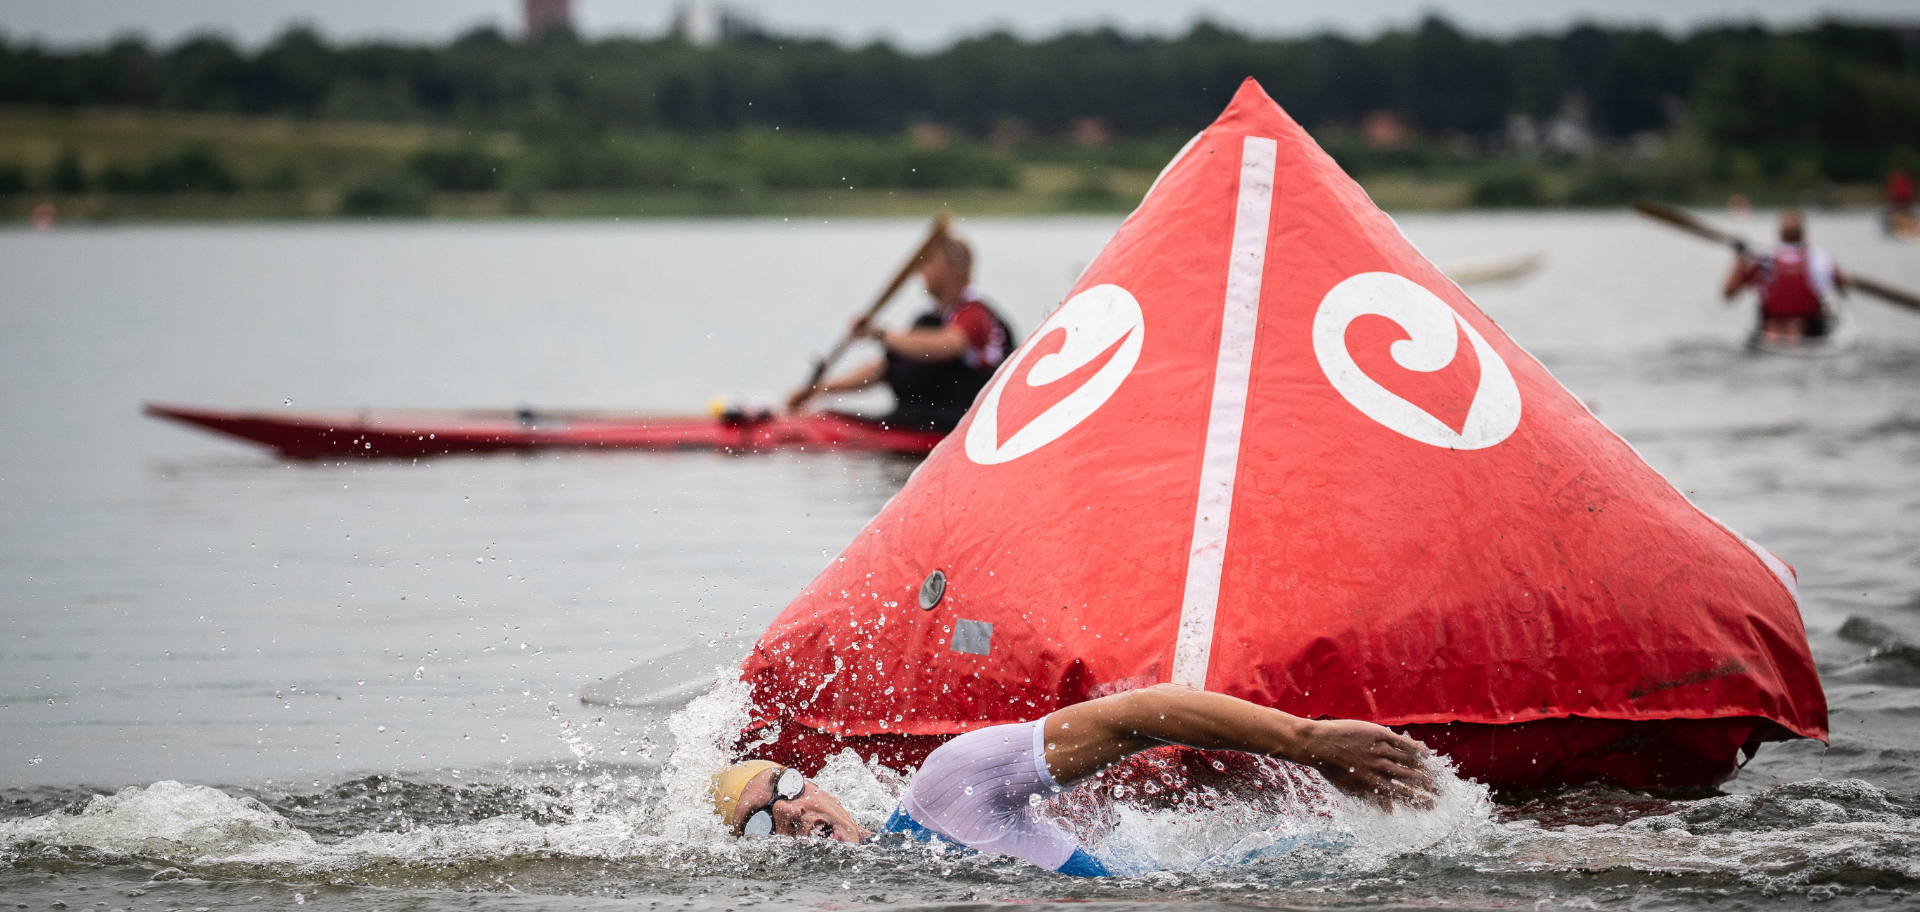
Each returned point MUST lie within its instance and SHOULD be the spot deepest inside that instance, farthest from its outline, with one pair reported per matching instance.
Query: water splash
(164, 820)
(868, 790)
(704, 734)
(1261, 825)
(1154, 819)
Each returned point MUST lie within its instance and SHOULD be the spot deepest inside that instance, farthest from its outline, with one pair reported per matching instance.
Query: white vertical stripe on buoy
(1231, 373)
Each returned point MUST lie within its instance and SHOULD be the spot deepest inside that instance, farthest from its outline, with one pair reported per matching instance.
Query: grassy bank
(109, 165)
(558, 204)
(261, 153)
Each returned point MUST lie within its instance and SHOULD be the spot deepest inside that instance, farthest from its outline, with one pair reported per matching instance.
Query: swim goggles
(786, 787)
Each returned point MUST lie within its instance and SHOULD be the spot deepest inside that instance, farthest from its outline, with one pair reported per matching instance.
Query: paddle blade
(1885, 292)
(1660, 211)
(1495, 270)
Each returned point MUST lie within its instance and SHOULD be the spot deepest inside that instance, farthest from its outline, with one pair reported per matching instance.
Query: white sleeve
(1821, 270)
(978, 790)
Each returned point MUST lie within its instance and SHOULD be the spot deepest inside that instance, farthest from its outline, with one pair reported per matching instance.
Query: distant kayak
(1840, 338)
(387, 433)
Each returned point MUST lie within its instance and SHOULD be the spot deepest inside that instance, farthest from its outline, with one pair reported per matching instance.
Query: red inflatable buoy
(1267, 449)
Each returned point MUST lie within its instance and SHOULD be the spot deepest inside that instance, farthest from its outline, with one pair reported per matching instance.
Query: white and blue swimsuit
(977, 790)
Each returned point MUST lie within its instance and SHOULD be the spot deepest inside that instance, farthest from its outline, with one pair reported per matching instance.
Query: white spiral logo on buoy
(1093, 320)
(1430, 325)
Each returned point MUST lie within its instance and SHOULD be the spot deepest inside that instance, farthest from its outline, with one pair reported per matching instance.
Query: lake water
(355, 685)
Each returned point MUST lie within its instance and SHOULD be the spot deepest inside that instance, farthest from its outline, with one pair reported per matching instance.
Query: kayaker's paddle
(1888, 293)
(1655, 209)
(1491, 271)
(1661, 211)
(934, 236)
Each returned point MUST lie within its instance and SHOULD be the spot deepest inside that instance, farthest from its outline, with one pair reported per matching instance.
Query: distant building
(1523, 133)
(1091, 132)
(928, 136)
(1383, 130)
(1568, 133)
(548, 17)
(704, 24)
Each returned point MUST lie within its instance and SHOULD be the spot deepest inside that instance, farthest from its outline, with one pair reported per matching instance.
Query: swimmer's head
(792, 808)
(730, 782)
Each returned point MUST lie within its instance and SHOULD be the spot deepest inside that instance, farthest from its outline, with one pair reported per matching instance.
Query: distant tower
(703, 23)
(548, 17)
(697, 22)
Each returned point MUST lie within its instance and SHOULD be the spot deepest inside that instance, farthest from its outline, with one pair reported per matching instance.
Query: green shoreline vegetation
(758, 124)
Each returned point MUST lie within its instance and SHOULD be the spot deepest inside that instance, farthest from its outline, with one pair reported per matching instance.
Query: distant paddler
(936, 367)
(1899, 219)
(1807, 270)
(1796, 284)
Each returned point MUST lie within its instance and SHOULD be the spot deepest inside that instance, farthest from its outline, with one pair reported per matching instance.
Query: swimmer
(975, 789)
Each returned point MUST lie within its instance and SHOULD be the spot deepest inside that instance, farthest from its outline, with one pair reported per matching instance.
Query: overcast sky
(916, 25)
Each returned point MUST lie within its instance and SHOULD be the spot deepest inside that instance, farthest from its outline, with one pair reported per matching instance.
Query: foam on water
(185, 823)
(1293, 814)
(703, 735)
(205, 827)
(1279, 827)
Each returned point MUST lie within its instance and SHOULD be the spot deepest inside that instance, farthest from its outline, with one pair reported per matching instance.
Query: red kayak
(404, 432)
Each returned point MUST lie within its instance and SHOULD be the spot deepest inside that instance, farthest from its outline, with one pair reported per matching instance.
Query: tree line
(1839, 99)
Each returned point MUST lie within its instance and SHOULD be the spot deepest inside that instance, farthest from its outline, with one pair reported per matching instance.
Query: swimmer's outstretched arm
(1360, 758)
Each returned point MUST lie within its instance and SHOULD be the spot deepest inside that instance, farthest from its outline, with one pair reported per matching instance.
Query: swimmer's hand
(1368, 761)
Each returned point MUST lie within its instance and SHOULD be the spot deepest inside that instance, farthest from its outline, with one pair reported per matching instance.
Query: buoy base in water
(1660, 753)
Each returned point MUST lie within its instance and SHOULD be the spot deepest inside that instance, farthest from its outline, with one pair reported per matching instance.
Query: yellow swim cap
(730, 782)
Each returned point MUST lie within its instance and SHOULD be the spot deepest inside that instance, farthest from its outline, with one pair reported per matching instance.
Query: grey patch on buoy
(972, 637)
(932, 590)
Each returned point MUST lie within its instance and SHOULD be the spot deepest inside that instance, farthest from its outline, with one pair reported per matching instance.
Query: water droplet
(381, 728)
(286, 402)
(968, 790)
(503, 739)
(34, 761)
(420, 673)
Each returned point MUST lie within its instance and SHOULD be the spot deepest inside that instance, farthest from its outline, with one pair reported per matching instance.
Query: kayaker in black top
(937, 367)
